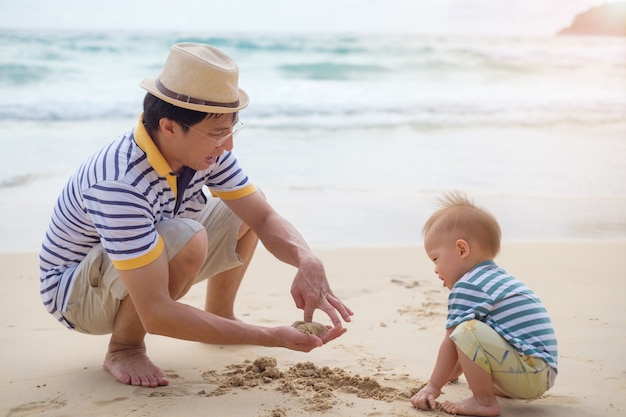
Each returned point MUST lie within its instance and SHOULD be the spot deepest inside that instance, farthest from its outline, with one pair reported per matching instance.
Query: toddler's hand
(425, 398)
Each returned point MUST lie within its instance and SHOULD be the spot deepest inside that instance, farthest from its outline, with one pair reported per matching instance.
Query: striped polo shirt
(115, 198)
(489, 294)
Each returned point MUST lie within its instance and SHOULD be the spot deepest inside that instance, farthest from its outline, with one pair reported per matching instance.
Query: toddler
(498, 333)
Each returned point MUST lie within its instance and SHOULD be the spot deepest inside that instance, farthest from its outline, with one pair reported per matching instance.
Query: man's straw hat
(198, 77)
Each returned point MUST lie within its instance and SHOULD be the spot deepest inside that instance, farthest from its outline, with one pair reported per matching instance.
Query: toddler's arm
(446, 362)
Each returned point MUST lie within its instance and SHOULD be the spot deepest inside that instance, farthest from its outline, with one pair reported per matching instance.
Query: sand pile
(317, 386)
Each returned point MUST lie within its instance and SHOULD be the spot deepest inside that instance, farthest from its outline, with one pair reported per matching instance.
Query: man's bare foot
(133, 367)
(471, 407)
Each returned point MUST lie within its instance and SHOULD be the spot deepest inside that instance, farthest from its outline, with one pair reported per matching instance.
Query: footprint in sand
(37, 408)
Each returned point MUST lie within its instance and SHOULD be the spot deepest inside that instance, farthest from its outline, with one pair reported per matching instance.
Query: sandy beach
(387, 353)
(354, 128)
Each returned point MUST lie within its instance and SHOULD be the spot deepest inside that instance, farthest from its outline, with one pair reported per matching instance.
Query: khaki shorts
(517, 376)
(97, 289)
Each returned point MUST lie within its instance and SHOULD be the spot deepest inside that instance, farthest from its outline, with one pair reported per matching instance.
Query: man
(133, 230)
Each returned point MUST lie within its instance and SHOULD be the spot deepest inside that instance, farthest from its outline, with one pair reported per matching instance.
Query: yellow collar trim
(155, 158)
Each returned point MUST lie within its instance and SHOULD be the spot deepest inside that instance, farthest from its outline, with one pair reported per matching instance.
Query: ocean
(352, 137)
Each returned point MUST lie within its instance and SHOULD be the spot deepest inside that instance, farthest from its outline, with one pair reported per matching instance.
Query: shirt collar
(155, 158)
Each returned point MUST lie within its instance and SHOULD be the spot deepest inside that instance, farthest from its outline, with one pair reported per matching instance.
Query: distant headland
(605, 20)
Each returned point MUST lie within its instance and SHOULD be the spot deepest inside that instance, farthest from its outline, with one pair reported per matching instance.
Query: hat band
(192, 100)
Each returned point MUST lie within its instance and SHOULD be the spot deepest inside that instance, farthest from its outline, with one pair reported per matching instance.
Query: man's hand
(333, 333)
(295, 340)
(310, 291)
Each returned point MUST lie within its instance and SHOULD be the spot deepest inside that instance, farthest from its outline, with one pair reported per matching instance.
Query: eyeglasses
(219, 142)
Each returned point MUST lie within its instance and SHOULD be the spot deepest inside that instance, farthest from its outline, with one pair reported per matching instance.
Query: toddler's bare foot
(133, 367)
(471, 407)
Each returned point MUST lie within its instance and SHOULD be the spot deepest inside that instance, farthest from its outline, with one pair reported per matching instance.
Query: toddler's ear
(462, 248)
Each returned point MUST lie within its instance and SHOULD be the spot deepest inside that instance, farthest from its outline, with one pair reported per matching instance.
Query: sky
(433, 17)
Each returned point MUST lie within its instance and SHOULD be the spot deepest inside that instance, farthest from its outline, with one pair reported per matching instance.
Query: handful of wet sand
(318, 329)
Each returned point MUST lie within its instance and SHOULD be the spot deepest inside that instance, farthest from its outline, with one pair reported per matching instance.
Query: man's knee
(199, 246)
(194, 253)
(185, 266)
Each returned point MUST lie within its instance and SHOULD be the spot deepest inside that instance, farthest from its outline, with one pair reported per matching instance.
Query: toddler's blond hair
(459, 218)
